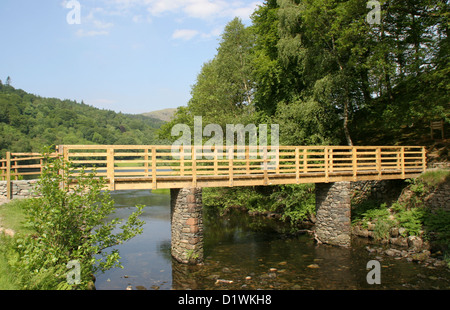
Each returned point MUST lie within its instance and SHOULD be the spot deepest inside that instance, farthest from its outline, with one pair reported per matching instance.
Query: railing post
(331, 159)
(60, 151)
(325, 157)
(230, 165)
(110, 168)
(424, 159)
(297, 165)
(216, 167)
(8, 176)
(266, 177)
(146, 162)
(354, 163)
(194, 167)
(378, 162)
(154, 184)
(402, 161)
(16, 170)
(305, 160)
(247, 159)
(181, 152)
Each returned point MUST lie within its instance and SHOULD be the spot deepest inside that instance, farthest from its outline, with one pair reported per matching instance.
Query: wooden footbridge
(187, 169)
(128, 167)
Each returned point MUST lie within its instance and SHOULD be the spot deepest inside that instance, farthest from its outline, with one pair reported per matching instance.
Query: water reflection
(244, 252)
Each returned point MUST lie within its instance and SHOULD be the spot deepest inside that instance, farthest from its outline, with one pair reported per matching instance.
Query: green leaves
(73, 223)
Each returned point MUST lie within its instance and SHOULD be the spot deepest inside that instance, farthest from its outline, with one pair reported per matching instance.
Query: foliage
(439, 223)
(294, 202)
(411, 215)
(69, 224)
(224, 198)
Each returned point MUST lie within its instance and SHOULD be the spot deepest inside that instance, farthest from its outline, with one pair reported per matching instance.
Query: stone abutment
(333, 213)
(187, 225)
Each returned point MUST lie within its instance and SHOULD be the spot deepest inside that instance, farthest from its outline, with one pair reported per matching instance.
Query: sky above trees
(132, 56)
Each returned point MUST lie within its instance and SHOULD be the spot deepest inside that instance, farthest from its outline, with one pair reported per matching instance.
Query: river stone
(415, 242)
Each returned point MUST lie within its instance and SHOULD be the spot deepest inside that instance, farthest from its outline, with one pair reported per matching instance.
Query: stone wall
(387, 191)
(333, 210)
(187, 225)
(19, 189)
(436, 198)
(439, 198)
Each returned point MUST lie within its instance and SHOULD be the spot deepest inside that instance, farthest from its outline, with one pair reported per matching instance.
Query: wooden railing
(151, 167)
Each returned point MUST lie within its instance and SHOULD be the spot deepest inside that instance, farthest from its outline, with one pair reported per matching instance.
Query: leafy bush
(295, 202)
(439, 223)
(69, 224)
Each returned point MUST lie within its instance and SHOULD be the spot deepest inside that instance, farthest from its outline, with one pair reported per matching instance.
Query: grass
(161, 191)
(435, 177)
(12, 216)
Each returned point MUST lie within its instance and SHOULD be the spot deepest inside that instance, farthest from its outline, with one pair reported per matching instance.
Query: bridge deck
(152, 167)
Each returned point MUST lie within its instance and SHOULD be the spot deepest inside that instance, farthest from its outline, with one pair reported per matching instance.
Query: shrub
(70, 224)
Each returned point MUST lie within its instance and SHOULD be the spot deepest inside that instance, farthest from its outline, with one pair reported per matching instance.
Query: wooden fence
(152, 167)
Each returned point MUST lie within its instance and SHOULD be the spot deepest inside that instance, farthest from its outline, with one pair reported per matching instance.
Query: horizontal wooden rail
(156, 166)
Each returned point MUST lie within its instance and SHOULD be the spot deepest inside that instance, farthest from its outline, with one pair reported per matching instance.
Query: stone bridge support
(333, 211)
(187, 225)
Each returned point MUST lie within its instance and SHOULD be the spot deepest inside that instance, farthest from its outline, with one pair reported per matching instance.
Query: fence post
(8, 176)
(60, 152)
(194, 166)
(231, 165)
(402, 161)
(16, 170)
(378, 162)
(325, 157)
(154, 185)
(424, 159)
(110, 168)
(297, 165)
(146, 162)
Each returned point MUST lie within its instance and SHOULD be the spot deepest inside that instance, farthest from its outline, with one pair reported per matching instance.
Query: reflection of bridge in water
(185, 170)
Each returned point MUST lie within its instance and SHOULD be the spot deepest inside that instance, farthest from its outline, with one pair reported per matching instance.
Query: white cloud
(200, 9)
(91, 33)
(184, 34)
(96, 19)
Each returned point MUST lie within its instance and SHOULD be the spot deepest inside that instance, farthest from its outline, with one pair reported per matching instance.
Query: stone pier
(333, 210)
(187, 225)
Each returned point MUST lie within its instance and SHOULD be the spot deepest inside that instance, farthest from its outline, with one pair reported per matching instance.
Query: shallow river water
(250, 253)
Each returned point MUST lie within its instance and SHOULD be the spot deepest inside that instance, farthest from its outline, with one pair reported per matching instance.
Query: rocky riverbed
(411, 248)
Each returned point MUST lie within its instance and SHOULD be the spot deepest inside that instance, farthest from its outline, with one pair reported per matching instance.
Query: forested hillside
(326, 75)
(29, 123)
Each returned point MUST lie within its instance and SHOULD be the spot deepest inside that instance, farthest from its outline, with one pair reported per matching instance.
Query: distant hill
(29, 122)
(164, 115)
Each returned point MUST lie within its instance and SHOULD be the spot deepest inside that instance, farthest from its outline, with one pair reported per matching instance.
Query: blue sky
(132, 56)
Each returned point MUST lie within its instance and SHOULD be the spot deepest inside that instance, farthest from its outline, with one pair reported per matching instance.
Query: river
(250, 253)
